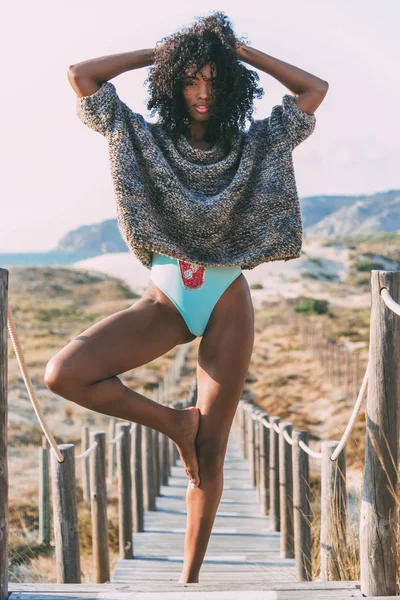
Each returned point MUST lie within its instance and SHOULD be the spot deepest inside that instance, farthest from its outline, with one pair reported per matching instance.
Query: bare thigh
(124, 340)
(223, 360)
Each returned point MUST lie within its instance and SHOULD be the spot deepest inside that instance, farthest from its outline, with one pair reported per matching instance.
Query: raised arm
(311, 89)
(86, 77)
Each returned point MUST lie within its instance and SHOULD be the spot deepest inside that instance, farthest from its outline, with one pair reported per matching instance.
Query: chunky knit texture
(219, 207)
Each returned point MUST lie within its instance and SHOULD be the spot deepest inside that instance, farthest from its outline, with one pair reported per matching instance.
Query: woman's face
(198, 91)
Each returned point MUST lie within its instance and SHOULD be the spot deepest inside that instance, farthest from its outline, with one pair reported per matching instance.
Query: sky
(55, 171)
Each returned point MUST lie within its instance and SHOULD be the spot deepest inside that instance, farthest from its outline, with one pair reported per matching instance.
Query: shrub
(312, 305)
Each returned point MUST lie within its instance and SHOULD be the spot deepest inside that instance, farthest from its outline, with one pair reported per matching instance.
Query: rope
(388, 300)
(356, 409)
(287, 437)
(117, 437)
(87, 452)
(22, 365)
(308, 450)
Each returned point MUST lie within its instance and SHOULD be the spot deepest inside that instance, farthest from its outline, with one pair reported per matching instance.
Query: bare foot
(188, 421)
(185, 579)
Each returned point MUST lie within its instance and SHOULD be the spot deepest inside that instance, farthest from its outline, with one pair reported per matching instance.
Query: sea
(42, 259)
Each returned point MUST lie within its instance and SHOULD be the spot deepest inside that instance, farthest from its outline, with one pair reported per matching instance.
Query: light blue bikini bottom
(195, 305)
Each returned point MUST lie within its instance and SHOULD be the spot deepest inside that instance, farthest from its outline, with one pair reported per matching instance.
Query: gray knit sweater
(218, 207)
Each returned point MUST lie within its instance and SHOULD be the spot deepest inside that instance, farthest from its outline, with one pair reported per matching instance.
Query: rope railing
(278, 460)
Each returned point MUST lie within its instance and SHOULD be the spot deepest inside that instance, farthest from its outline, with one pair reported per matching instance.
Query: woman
(198, 200)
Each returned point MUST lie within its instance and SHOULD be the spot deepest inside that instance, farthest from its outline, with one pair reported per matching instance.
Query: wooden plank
(215, 595)
(186, 592)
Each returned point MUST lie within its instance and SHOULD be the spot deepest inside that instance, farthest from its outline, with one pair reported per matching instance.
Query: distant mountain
(323, 217)
(365, 214)
(103, 237)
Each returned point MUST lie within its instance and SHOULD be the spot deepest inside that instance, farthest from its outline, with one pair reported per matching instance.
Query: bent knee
(210, 456)
(58, 379)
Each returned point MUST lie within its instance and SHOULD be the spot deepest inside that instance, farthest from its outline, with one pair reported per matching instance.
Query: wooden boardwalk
(242, 560)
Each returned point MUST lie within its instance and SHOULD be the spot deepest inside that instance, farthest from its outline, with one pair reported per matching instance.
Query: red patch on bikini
(192, 276)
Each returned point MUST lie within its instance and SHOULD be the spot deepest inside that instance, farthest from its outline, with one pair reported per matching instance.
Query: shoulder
(287, 125)
(104, 111)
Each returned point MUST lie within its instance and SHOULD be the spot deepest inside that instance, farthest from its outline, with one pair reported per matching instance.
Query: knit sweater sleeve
(288, 120)
(104, 112)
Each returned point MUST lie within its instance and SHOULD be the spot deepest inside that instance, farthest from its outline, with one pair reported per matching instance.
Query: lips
(202, 108)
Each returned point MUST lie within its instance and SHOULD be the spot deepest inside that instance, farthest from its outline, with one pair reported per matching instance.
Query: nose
(204, 90)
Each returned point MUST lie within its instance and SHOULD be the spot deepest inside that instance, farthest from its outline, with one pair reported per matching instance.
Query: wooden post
(264, 464)
(337, 363)
(274, 508)
(44, 494)
(85, 465)
(165, 464)
(301, 507)
(348, 372)
(256, 429)
(148, 471)
(156, 461)
(241, 427)
(99, 507)
(3, 435)
(175, 453)
(137, 478)
(245, 434)
(124, 492)
(356, 369)
(251, 444)
(156, 452)
(172, 452)
(111, 453)
(333, 511)
(378, 522)
(286, 492)
(65, 516)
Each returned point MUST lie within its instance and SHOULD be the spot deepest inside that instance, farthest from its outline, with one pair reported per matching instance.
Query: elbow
(74, 71)
(71, 72)
(324, 86)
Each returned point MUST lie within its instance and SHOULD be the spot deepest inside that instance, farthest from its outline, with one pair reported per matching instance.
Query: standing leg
(224, 356)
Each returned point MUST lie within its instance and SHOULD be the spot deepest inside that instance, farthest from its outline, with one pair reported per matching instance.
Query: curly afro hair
(210, 40)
